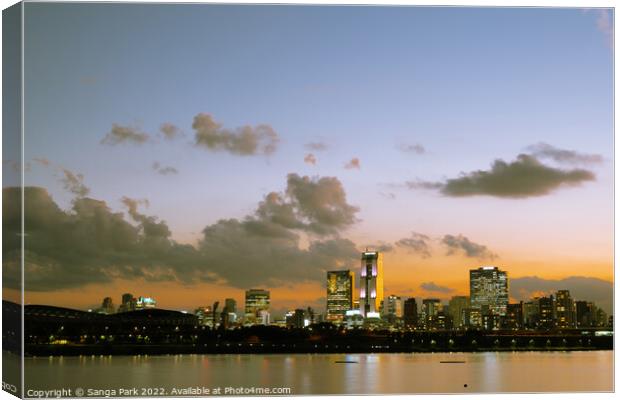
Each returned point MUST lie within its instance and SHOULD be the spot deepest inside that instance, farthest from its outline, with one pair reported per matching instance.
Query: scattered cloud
(244, 141)
(462, 245)
(124, 134)
(310, 159)
(417, 243)
(415, 148)
(43, 161)
(433, 287)
(388, 195)
(379, 246)
(170, 131)
(544, 150)
(353, 164)
(316, 146)
(74, 183)
(524, 177)
(164, 170)
(581, 288)
(90, 243)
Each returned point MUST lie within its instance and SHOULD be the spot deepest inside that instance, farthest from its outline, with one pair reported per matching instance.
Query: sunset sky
(258, 146)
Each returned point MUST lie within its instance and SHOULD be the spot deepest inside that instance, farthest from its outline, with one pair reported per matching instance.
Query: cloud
(524, 177)
(354, 163)
(244, 141)
(320, 203)
(90, 243)
(581, 288)
(461, 244)
(605, 25)
(170, 131)
(43, 161)
(388, 195)
(164, 170)
(380, 246)
(74, 183)
(544, 150)
(415, 148)
(124, 134)
(310, 159)
(417, 243)
(433, 287)
(316, 146)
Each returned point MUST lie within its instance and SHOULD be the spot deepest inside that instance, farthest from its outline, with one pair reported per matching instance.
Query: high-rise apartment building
(371, 284)
(488, 290)
(340, 288)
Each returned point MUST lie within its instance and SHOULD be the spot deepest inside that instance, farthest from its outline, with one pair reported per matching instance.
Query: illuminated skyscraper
(564, 309)
(371, 284)
(256, 300)
(340, 287)
(488, 290)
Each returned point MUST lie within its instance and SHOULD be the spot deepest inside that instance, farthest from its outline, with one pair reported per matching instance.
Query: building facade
(340, 288)
(371, 284)
(564, 309)
(256, 305)
(456, 309)
(410, 313)
(488, 290)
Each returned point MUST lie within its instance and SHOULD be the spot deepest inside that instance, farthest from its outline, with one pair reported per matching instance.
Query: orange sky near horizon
(403, 275)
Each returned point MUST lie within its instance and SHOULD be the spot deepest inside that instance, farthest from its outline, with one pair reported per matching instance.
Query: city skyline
(469, 149)
(488, 295)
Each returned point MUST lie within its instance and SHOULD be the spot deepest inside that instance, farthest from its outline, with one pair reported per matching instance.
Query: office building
(230, 305)
(107, 306)
(128, 303)
(340, 288)
(456, 307)
(584, 313)
(410, 313)
(393, 309)
(145, 302)
(205, 315)
(531, 313)
(546, 312)
(514, 316)
(256, 301)
(430, 311)
(488, 288)
(371, 284)
(564, 309)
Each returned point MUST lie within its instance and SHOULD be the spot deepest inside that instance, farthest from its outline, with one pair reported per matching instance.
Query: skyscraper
(256, 300)
(107, 306)
(393, 309)
(231, 305)
(488, 289)
(340, 287)
(564, 309)
(371, 284)
(456, 307)
(430, 308)
(411, 313)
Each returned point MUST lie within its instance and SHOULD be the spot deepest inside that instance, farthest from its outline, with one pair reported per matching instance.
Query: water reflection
(336, 373)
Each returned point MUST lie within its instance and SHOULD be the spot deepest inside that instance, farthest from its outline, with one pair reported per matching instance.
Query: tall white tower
(371, 284)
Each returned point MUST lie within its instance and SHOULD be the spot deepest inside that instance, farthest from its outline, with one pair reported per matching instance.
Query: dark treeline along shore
(61, 331)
